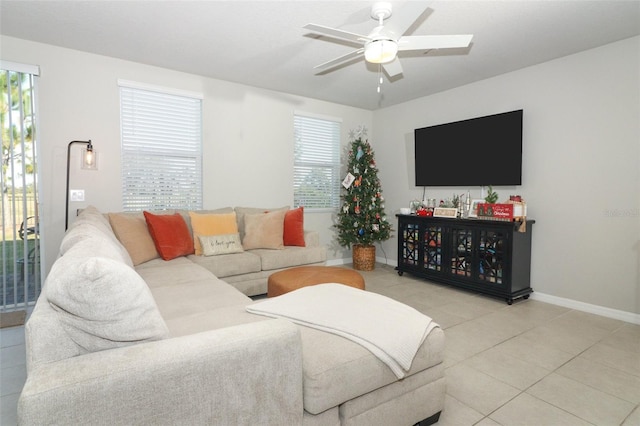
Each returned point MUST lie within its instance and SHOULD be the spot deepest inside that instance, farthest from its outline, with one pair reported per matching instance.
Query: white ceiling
(263, 44)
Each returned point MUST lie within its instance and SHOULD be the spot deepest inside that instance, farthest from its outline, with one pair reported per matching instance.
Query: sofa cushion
(102, 303)
(211, 224)
(227, 265)
(337, 370)
(294, 227)
(170, 235)
(181, 288)
(290, 256)
(242, 211)
(264, 230)
(214, 245)
(132, 231)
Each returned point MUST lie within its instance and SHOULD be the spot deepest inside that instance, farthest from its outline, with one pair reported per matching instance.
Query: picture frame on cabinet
(445, 212)
(473, 210)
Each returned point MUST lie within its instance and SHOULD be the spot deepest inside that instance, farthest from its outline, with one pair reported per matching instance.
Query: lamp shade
(89, 159)
(380, 51)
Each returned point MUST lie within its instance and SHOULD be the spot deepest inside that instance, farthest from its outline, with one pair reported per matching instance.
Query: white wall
(247, 135)
(581, 166)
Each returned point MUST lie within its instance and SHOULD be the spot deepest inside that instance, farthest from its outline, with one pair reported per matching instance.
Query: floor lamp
(88, 162)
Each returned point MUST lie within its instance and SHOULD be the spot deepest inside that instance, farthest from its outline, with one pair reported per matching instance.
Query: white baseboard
(587, 307)
(336, 262)
(542, 297)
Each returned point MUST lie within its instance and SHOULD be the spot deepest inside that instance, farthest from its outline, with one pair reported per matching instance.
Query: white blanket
(389, 329)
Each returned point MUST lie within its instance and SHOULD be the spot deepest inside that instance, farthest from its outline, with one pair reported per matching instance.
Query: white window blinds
(161, 150)
(316, 168)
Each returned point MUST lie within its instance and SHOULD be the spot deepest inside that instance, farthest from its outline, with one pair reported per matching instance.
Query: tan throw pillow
(211, 224)
(132, 231)
(213, 245)
(242, 211)
(264, 230)
(102, 303)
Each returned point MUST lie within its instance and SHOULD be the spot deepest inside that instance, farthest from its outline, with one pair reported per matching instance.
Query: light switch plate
(76, 194)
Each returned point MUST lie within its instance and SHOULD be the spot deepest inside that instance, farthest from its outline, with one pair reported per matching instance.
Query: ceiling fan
(383, 43)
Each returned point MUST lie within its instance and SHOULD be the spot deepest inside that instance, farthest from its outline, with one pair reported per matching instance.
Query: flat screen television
(475, 152)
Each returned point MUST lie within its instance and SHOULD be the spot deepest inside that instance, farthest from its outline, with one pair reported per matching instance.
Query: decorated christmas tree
(361, 219)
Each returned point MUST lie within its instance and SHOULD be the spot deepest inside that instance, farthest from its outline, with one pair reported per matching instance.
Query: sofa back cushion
(94, 242)
(92, 228)
(102, 303)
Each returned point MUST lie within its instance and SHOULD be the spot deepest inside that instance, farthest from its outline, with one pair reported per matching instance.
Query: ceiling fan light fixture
(380, 51)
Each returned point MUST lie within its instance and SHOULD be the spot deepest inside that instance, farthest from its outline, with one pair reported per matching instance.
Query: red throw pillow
(294, 227)
(170, 235)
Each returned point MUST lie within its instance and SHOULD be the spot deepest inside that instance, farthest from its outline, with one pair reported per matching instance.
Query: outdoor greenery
(11, 257)
(18, 189)
(16, 122)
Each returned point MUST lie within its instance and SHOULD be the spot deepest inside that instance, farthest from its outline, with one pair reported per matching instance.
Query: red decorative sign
(495, 211)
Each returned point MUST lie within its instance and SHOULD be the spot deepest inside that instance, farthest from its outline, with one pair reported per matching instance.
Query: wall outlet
(76, 194)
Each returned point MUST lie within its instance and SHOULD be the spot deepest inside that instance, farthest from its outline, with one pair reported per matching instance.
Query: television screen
(476, 152)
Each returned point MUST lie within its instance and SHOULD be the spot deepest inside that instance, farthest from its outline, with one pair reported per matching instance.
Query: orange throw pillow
(170, 235)
(294, 227)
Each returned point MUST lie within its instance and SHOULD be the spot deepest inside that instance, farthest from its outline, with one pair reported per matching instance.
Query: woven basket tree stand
(364, 257)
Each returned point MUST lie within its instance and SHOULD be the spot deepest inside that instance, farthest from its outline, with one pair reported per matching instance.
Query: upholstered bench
(292, 279)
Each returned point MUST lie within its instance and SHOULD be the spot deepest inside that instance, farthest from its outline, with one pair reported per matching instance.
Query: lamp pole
(89, 149)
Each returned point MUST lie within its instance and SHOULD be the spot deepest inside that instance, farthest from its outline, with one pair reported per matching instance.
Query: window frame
(156, 144)
(334, 163)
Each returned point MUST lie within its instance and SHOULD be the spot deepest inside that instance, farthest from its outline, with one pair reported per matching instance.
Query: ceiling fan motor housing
(381, 10)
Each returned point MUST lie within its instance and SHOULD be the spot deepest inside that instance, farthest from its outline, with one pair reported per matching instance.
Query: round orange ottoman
(292, 279)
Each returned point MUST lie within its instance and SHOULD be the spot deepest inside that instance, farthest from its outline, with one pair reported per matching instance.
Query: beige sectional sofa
(248, 270)
(168, 342)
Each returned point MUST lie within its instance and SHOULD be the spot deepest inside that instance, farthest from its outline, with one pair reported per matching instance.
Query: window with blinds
(161, 148)
(316, 168)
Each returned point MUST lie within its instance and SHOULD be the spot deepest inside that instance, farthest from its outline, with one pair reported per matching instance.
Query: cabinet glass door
(409, 250)
(432, 240)
(461, 252)
(491, 253)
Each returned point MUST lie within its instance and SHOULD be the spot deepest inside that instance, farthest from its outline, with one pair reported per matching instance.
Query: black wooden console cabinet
(489, 257)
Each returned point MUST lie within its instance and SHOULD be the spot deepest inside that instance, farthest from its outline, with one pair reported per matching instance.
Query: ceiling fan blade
(339, 60)
(336, 33)
(403, 18)
(434, 42)
(393, 68)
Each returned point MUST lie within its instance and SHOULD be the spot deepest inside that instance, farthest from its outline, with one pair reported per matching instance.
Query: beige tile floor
(530, 363)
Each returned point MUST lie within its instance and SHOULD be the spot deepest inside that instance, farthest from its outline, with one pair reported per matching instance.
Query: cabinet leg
(510, 301)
